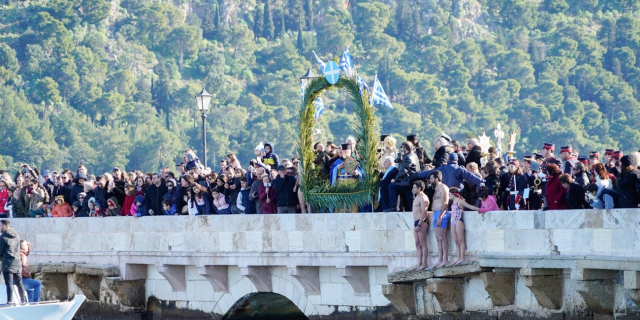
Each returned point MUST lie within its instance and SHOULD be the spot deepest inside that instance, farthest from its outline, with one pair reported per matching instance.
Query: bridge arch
(285, 288)
(265, 306)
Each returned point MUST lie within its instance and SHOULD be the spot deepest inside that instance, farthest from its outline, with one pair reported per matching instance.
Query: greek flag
(378, 96)
(361, 84)
(302, 91)
(320, 62)
(345, 63)
(319, 108)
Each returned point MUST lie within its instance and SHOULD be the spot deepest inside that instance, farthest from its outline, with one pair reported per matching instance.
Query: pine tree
(208, 24)
(269, 29)
(258, 23)
(283, 28)
(308, 10)
(300, 40)
(216, 20)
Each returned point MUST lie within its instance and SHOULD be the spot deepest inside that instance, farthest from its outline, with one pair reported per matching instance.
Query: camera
(268, 184)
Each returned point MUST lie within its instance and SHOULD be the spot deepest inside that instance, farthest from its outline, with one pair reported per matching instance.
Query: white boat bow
(43, 311)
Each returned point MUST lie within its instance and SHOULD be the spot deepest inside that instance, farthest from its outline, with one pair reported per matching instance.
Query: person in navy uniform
(566, 153)
(517, 186)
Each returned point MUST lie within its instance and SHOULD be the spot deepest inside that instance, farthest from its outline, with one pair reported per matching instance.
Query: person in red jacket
(61, 208)
(4, 197)
(555, 195)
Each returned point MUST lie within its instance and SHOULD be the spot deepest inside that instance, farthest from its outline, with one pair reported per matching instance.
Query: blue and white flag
(302, 91)
(319, 108)
(320, 62)
(361, 84)
(378, 96)
(345, 62)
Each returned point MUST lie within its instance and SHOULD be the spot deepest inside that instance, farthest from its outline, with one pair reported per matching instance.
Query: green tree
(9, 64)
(269, 27)
(334, 33)
(308, 12)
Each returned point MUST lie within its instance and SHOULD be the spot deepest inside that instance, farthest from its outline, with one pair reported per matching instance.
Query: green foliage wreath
(316, 189)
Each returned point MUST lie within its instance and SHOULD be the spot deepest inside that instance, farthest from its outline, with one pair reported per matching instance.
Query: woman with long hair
(201, 199)
(555, 195)
(602, 176)
(267, 195)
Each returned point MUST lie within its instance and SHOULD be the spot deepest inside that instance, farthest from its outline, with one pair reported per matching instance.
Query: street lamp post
(203, 99)
(305, 79)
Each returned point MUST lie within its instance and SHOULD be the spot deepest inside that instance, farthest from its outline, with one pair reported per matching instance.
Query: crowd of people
(438, 189)
(483, 180)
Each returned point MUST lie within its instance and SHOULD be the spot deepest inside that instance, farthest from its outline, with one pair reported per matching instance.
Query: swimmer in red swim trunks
(440, 217)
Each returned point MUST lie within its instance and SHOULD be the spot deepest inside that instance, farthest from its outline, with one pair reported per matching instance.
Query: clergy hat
(383, 136)
(618, 154)
(583, 159)
(445, 136)
(412, 137)
(594, 155)
(549, 146)
(528, 157)
(608, 152)
(566, 149)
(345, 146)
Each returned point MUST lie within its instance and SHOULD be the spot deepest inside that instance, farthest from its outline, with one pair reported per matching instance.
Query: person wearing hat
(78, 187)
(514, 193)
(534, 181)
(566, 154)
(421, 153)
(180, 167)
(401, 185)
(339, 172)
(60, 189)
(61, 208)
(627, 183)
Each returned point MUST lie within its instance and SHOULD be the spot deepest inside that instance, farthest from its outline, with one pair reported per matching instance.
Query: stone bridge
(334, 266)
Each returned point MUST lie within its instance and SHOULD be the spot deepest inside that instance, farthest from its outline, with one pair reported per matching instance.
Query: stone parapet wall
(591, 232)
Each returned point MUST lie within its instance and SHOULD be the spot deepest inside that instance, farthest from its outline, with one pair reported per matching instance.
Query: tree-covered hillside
(109, 83)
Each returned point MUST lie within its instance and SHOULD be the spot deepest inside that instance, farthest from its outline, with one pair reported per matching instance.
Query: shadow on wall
(264, 306)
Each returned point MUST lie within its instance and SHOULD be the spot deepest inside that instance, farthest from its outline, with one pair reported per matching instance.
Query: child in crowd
(168, 208)
(129, 199)
(49, 211)
(61, 208)
(76, 208)
(489, 202)
(113, 208)
(457, 223)
(139, 207)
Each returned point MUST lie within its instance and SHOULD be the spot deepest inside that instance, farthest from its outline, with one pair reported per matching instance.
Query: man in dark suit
(386, 177)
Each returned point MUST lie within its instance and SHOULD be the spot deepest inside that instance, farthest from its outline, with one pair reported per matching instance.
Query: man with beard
(153, 195)
(340, 171)
(441, 217)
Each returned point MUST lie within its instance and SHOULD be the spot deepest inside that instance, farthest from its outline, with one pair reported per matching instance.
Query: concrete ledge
(62, 267)
(97, 270)
(218, 276)
(500, 287)
(463, 270)
(175, 275)
(632, 280)
(448, 293)
(358, 278)
(259, 276)
(309, 278)
(401, 296)
(130, 293)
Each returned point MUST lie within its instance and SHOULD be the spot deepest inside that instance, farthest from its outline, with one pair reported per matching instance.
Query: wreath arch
(316, 190)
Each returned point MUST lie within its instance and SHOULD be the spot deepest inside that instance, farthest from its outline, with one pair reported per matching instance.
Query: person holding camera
(402, 183)
(267, 195)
